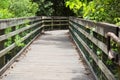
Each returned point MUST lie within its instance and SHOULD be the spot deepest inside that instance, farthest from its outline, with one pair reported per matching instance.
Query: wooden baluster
(52, 23)
(2, 59)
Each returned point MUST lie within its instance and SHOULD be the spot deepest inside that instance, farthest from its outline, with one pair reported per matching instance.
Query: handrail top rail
(5, 23)
(19, 18)
(32, 17)
(92, 23)
(114, 37)
(54, 17)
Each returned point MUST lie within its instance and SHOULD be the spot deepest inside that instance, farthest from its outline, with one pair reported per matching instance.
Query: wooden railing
(55, 22)
(99, 44)
(17, 33)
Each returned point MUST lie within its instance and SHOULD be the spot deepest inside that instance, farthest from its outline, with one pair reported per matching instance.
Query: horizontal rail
(6, 36)
(4, 51)
(57, 25)
(114, 37)
(53, 17)
(55, 21)
(28, 29)
(102, 66)
(3, 69)
(93, 40)
(100, 44)
(99, 27)
(5, 23)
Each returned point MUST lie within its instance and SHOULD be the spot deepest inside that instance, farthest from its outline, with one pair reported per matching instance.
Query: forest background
(97, 10)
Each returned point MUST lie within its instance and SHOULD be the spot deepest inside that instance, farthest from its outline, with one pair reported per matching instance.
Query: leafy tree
(74, 5)
(45, 7)
(17, 8)
(4, 9)
(60, 8)
(53, 8)
(23, 8)
(98, 10)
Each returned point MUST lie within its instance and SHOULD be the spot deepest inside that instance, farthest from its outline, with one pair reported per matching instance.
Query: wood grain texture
(5, 23)
(6, 36)
(97, 42)
(50, 57)
(4, 51)
(101, 65)
(99, 27)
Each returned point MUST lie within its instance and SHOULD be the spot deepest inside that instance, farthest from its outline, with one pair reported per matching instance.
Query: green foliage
(9, 40)
(18, 41)
(75, 5)
(16, 8)
(4, 4)
(103, 11)
(4, 9)
(45, 7)
(98, 10)
(23, 8)
(5, 13)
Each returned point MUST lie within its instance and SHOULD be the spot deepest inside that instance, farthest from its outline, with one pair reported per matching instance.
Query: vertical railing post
(13, 40)
(42, 19)
(118, 29)
(69, 23)
(52, 19)
(60, 24)
(2, 59)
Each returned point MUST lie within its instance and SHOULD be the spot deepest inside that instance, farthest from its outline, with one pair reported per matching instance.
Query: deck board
(50, 57)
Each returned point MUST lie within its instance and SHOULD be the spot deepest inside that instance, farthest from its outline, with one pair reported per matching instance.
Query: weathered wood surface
(50, 57)
(4, 51)
(100, 44)
(99, 27)
(6, 36)
(5, 23)
(102, 66)
(93, 41)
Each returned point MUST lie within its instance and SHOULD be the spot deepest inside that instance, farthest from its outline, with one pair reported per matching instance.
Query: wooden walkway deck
(50, 57)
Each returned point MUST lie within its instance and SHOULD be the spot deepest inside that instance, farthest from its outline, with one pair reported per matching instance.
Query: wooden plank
(119, 33)
(99, 27)
(3, 69)
(6, 36)
(4, 51)
(59, 62)
(101, 65)
(55, 21)
(59, 17)
(56, 25)
(2, 59)
(45, 17)
(53, 17)
(114, 37)
(90, 67)
(100, 44)
(5, 23)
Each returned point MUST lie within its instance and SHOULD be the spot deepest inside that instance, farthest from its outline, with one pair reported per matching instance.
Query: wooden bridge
(58, 48)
